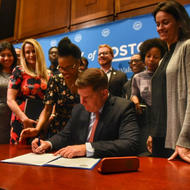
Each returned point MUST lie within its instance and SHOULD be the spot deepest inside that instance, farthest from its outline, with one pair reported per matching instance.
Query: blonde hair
(41, 69)
(107, 46)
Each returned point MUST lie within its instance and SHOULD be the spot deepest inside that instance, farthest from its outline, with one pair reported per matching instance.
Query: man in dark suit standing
(53, 57)
(101, 126)
(137, 65)
(116, 78)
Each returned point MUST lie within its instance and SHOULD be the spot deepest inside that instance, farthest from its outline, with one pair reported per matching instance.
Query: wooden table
(154, 173)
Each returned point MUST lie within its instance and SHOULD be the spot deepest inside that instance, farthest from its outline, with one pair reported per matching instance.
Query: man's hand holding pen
(39, 146)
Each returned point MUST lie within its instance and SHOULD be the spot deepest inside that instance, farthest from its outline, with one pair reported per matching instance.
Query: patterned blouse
(59, 94)
(28, 87)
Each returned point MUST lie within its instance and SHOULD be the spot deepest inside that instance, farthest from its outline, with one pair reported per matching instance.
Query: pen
(39, 141)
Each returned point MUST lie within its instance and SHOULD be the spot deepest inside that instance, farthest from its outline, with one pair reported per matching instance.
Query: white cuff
(89, 150)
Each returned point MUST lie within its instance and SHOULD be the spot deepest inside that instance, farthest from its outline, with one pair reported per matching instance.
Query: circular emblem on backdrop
(105, 32)
(137, 25)
(78, 37)
(53, 43)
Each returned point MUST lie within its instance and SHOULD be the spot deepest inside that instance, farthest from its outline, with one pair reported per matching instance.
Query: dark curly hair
(67, 48)
(150, 43)
(179, 13)
(9, 46)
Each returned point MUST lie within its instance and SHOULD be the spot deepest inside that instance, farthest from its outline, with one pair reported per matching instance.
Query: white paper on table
(32, 159)
(85, 163)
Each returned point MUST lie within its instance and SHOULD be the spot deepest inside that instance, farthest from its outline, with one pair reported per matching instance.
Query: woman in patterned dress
(8, 60)
(27, 81)
(61, 91)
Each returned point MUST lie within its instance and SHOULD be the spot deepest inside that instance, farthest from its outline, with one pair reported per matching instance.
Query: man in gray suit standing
(100, 126)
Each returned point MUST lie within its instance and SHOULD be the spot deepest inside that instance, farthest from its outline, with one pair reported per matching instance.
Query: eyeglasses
(66, 68)
(104, 53)
(135, 61)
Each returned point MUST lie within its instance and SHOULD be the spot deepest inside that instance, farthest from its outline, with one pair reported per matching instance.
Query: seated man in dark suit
(116, 78)
(101, 126)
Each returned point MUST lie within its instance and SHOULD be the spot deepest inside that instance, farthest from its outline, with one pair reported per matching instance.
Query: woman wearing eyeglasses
(61, 92)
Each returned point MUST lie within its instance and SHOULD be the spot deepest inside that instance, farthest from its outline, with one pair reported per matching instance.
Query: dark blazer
(117, 132)
(127, 90)
(116, 82)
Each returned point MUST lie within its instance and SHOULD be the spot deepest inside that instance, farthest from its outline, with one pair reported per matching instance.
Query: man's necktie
(94, 127)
